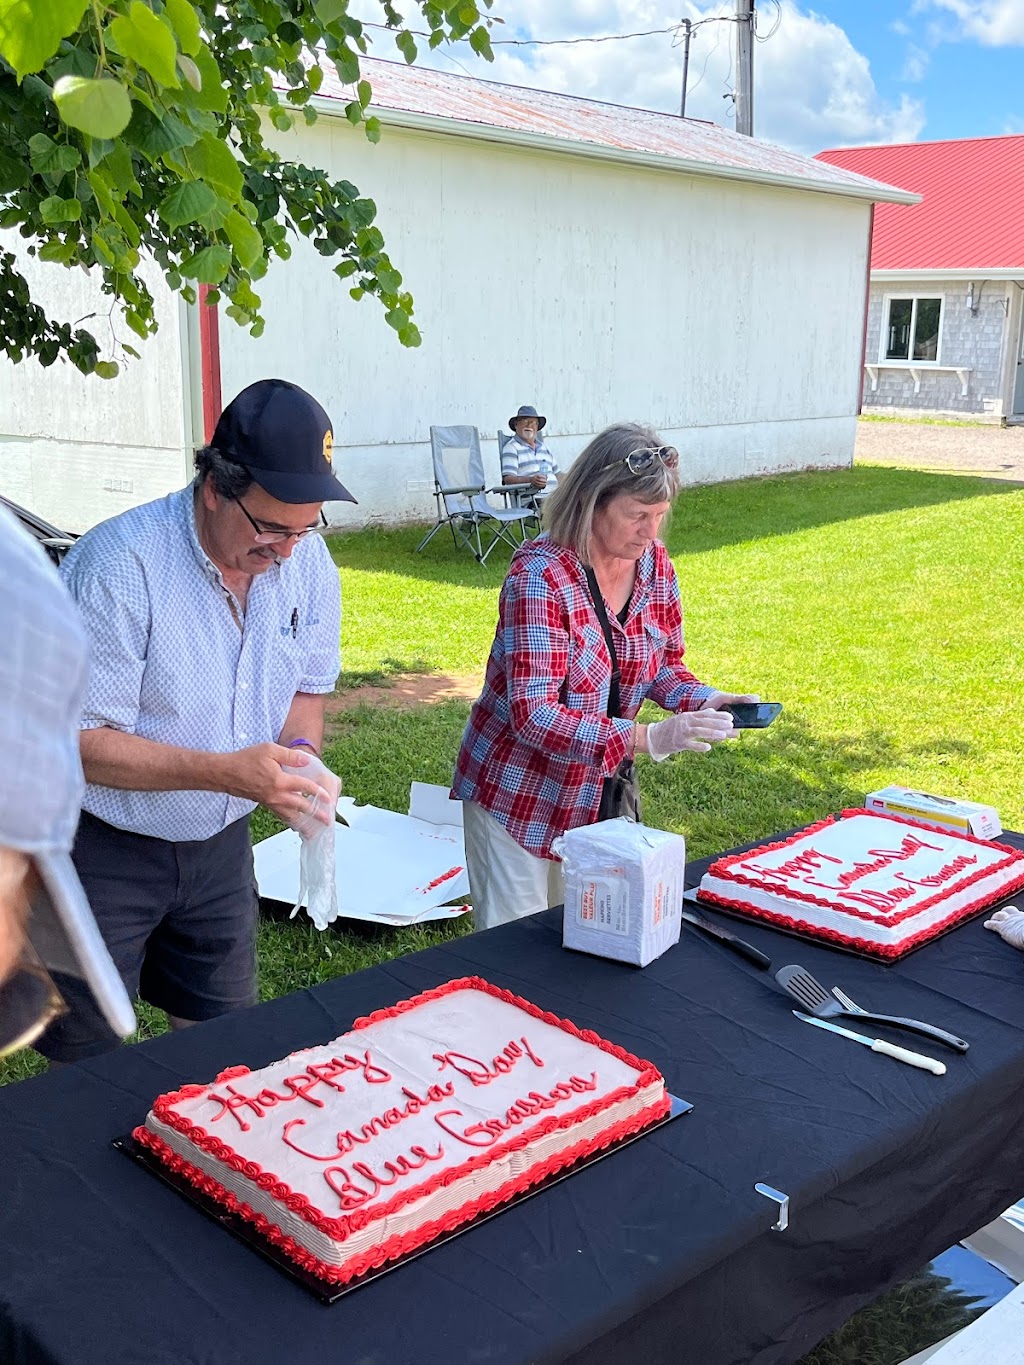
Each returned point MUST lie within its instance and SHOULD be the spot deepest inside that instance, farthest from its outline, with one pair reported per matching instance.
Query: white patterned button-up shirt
(170, 662)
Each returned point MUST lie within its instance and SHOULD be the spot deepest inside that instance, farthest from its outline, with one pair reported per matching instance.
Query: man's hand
(720, 701)
(539, 480)
(258, 774)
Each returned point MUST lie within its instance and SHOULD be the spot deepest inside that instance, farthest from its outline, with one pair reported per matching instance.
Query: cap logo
(328, 445)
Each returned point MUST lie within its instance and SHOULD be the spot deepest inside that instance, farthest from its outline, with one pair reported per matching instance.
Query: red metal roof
(971, 215)
(487, 108)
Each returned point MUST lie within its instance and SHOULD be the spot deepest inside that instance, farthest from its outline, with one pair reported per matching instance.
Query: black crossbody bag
(620, 795)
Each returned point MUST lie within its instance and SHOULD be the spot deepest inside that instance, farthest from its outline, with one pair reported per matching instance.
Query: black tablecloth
(662, 1252)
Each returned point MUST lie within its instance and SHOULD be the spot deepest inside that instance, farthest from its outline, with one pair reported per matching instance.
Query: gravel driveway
(997, 452)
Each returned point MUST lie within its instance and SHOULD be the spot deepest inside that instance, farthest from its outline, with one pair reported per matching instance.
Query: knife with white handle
(901, 1054)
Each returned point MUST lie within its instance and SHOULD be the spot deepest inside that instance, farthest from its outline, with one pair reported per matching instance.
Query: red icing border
(399, 1245)
(888, 952)
(341, 1228)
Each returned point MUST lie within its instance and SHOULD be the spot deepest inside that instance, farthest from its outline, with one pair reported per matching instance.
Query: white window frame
(883, 331)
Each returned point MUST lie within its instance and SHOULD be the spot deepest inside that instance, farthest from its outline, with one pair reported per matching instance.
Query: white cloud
(915, 64)
(812, 87)
(994, 23)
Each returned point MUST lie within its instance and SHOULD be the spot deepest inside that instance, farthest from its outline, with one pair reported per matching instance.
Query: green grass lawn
(881, 606)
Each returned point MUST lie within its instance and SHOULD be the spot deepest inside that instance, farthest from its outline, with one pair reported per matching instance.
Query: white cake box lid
(623, 890)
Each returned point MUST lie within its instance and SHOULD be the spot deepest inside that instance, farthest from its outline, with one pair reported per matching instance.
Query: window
(912, 330)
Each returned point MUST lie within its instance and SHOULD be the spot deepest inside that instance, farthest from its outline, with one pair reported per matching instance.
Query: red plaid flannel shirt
(539, 742)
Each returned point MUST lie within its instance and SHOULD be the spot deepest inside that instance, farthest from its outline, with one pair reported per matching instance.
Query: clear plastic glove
(692, 730)
(1008, 923)
(313, 813)
(719, 701)
(318, 886)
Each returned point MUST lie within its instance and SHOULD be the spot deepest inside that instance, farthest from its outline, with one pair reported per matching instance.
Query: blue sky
(839, 72)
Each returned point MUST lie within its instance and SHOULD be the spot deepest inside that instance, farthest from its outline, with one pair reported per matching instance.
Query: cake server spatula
(812, 996)
(880, 1045)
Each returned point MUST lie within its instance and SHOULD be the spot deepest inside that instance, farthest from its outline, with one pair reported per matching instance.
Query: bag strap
(614, 697)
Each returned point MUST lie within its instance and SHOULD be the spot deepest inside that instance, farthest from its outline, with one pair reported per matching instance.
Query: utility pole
(745, 67)
(687, 25)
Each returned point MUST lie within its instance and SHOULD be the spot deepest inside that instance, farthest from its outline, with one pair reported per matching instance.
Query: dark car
(55, 542)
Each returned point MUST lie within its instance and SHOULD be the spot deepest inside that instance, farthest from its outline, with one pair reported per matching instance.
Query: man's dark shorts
(179, 920)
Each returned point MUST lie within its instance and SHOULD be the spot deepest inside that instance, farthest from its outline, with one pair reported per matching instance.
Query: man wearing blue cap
(213, 616)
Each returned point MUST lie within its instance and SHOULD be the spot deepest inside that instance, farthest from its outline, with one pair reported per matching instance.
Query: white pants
(505, 881)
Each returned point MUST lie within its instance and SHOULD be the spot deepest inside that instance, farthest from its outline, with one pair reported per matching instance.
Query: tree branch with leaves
(134, 128)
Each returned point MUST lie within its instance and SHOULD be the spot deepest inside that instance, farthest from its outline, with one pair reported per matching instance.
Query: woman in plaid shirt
(539, 742)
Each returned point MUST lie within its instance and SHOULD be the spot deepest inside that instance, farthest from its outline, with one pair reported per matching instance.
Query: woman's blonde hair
(598, 474)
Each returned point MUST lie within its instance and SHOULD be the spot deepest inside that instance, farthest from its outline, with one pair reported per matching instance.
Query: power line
(674, 29)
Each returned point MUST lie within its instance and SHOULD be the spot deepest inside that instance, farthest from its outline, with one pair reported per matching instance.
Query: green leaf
(406, 44)
(327, 11)
(13, 173)
(389, 279)
(58, 210)
(120, 171)
(246, 242)
(107, 369)
(309, 114)
(158, 136)
(354, 112)
(480, 42)
(190, 71)
(52, 158)
(281, 121)
(208, 266)
(187, 203)
(347, 65)
(410, 336)
(397, 318)
(60, 252)
(185, 22)
(373, 130)
(214, 161)
(212, 94)
(147, 39)
(363, 91)
(100, 107)
(31, 33)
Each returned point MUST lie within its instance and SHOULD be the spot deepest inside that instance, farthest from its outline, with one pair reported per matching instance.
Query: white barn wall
(728, 314)
(77, 450)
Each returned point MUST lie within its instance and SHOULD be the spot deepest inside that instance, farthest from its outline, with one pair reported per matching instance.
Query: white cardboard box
(623, 890)
(967, 817)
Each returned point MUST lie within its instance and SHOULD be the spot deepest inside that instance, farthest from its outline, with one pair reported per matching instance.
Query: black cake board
(330, 1293)
(755, 921)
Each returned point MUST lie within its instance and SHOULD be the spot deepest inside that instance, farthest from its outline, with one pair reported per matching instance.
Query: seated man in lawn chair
(525, 459)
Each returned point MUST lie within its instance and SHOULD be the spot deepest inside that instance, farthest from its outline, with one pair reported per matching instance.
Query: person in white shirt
(213, 616)
(525, 459)
(49, 942)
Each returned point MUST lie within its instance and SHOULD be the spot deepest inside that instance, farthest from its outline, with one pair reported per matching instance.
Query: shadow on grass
(704, 518)
(908, 1319)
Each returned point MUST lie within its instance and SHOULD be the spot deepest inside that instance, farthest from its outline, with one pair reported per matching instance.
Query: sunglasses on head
(640, 461)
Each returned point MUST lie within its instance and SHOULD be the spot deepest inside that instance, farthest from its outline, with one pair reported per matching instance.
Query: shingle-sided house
(945, 327)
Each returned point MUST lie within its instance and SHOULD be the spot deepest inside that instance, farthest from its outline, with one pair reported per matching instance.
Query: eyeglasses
(268, 537)
(29, 1003)
(640, 461)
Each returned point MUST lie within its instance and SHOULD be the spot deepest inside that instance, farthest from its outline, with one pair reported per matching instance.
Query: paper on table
(390, 868)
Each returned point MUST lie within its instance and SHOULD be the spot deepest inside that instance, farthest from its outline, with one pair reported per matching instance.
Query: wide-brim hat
(527, 412)
(283, 437)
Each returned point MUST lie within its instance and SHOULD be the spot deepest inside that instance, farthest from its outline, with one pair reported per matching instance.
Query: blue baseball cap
(282, 436)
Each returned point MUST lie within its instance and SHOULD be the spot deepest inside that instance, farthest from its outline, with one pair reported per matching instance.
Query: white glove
(1009, 925)
(309, 823)
(693, 730)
